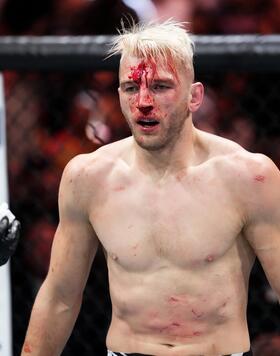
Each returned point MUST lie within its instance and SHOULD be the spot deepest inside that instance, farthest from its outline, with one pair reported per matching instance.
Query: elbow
(69, 305)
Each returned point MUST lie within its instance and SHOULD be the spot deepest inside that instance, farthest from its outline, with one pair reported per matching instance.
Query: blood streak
(142, 69)
(137, 72)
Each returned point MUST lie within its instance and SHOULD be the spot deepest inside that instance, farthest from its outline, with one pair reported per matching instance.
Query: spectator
(267, 345)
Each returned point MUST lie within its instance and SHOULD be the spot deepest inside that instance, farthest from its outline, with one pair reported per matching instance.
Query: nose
(145, 101)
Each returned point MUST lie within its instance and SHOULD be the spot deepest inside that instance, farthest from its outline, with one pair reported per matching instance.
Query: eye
(160, 87)
(130, 89)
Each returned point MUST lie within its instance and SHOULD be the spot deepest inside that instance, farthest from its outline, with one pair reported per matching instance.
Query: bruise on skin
(259, 178)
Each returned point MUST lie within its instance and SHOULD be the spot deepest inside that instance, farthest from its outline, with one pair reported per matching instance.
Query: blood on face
(141, 71)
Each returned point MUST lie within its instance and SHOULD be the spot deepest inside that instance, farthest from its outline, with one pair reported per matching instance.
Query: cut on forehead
(163, 43)
(132, 64)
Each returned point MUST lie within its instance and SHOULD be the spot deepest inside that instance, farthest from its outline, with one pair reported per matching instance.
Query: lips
(147, 122)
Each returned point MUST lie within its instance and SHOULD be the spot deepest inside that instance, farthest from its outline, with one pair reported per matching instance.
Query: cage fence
(61, 100)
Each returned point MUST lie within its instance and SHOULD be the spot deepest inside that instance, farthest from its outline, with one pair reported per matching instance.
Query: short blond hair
(159, 42)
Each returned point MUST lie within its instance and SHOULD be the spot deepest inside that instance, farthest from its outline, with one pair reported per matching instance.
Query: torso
(177, 259)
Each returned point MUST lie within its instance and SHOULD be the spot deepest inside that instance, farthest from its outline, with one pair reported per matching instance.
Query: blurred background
(55, 115)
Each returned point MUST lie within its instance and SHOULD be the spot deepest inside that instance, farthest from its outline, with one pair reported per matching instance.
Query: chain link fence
(55, 114)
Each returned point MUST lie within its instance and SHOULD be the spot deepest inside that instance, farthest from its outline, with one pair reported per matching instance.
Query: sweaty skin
(180, 214)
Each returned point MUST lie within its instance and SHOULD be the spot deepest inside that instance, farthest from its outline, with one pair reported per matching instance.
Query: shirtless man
(180, 213)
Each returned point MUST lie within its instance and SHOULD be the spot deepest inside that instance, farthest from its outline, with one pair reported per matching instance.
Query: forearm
(50, 326)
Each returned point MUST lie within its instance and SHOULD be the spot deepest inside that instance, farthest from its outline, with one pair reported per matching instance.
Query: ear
(197, 93)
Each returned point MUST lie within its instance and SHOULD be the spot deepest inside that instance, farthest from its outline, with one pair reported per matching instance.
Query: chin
(150, 144)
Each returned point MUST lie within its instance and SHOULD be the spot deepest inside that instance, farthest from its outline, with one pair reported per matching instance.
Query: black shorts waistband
(249, 353)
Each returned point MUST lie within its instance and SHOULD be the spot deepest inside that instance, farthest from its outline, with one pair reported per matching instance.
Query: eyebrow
(158, 80)
(127, 82)
(164, 80)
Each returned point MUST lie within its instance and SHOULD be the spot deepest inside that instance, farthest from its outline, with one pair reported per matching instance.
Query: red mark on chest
(259, 178)
(197, 314)
(119, 188)
(153, 314)
(179, 330)
(27, 348)
(181, 175)
(174, 300)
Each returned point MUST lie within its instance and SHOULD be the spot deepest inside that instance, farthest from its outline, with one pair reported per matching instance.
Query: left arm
(263, 220)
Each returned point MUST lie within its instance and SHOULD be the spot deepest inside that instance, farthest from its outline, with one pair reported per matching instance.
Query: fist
(9, 236)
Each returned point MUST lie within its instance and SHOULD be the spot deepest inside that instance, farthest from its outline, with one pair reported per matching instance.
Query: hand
(9, 236)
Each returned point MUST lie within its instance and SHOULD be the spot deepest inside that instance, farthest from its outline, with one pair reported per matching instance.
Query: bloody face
(154, 100)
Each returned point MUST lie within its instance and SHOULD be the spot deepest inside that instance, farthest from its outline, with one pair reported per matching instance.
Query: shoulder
(253, 178)
(243, 171)
(238, 162)
(86, 175)
(97, 165)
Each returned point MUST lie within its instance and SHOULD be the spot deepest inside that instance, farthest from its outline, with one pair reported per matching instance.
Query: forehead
(128, 64)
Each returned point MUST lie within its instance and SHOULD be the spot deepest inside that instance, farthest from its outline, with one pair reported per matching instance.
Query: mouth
(147, 122)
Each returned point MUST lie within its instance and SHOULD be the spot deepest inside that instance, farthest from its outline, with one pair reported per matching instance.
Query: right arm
(58, 302)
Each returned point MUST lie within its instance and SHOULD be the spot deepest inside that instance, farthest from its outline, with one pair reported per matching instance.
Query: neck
(170, 159)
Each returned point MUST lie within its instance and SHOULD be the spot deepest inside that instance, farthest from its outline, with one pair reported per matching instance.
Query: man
(9, 234)
(180, 213)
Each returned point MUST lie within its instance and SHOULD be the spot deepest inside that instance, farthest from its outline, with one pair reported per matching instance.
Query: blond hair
(159, 42)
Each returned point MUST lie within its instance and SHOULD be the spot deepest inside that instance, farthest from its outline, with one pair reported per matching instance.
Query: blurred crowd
(80, 17)
(53, 116)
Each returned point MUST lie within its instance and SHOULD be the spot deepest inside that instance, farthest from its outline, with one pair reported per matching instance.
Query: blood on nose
(145, 103)
(145, 110)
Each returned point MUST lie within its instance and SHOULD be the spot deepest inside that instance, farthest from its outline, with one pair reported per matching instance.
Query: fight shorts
(111, 353)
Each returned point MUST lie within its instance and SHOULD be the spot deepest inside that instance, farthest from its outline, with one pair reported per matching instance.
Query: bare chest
(183, 224)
